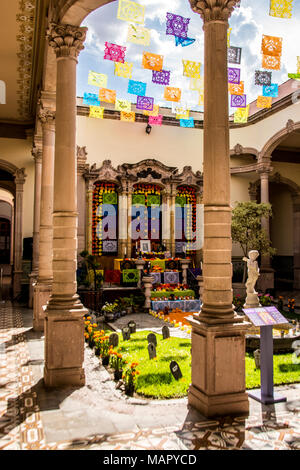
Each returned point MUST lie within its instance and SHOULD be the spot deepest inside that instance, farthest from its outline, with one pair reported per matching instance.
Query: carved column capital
(214, 10)
(37, 154)
(66, 40)
(47, 117)
(20, 176)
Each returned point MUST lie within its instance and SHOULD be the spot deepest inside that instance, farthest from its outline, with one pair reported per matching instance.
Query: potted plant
(104, 350)
(129, 378)
(117, 362)
(108, 310)
(123, 305)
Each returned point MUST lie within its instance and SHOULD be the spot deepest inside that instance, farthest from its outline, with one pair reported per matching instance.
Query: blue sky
(248, 24)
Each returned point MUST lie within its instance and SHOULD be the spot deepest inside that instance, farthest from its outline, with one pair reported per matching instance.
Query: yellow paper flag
(241, 115)
(191, 69)
(129, 117)
(123, 69)
(281, 8)
(97, 79)
(122, 105)
(96, 112)
(155, 111)
(228, 36)
(197, 84)
(131, 11)
(183, 114)
(138, 35)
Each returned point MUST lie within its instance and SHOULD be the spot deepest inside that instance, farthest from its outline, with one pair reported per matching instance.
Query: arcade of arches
(55, 180)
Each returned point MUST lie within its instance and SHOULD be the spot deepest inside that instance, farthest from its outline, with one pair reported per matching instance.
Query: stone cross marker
(126, 333)
(165, 332)
(113, 340)
(151, 351)
(152, 339)
(132, 326)
(175, 370)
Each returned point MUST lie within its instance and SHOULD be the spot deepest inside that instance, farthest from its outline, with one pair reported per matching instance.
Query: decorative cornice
(214, 10)
(26, 21)
(66, 40)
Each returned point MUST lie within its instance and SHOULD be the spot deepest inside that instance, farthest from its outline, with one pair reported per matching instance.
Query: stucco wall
(18, 152)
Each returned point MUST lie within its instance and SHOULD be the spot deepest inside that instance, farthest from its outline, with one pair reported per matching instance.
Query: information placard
(265, 316)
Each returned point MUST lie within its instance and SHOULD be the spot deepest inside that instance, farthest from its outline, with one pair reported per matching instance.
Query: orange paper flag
(236, 88)
(109, 96)
(172, 94)
(270, 62)
(271, 45)
(152, 61)
(264, 102)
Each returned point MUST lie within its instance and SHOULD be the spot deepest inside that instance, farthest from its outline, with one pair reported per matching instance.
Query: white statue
(253, 274)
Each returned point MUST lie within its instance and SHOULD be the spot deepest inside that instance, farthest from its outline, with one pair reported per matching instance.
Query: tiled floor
(98, 416)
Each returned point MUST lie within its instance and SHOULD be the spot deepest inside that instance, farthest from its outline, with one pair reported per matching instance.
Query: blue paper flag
(187, 122)
(91, 99)
(184, 41)
(137, 88)
(270, 90)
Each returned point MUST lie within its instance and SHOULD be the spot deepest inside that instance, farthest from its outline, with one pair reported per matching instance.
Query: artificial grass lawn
(156, 381)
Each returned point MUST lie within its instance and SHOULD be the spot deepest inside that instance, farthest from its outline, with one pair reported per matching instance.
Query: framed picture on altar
(145, 246)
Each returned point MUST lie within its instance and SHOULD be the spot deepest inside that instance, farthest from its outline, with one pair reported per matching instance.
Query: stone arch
(75, 11)
(274, 141)
(238, 150)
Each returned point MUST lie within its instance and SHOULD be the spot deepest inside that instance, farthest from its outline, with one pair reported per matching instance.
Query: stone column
(266, 278)
(123, 230)
(89, 215)
(218, 336)
(43, 286)
(184, 264)
(165, 208)
(37, 155)
(64, 323)
(199, 233)
(252, 190)
(172, 220)
(129, 218)
(296, 228)
(81, 197)
(140, 263)
(18, 225)
(147, 281)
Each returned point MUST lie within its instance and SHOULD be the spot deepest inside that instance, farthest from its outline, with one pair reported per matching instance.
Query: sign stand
(266, 393)
(265, 318)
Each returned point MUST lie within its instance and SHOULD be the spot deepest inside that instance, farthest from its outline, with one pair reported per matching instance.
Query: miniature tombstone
(113, 340)
(151, 351)
(152, 339)
(257, 358)
(175, 370)
(126, 333)
(132, 326)
(165, 332)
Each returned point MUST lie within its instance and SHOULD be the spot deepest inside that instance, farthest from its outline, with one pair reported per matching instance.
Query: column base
(32, 281)
(64, 346)
(41, 296)
(218, 368)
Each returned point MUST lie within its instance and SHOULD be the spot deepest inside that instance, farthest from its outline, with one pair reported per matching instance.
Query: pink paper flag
(114, 52)
(156, 120)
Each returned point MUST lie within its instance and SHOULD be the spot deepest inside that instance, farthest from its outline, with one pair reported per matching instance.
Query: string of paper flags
(134, 14)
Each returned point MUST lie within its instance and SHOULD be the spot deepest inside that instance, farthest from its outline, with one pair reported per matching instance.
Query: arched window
(146, 215)
(105, 219)
(185, 219)
(2, 92)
